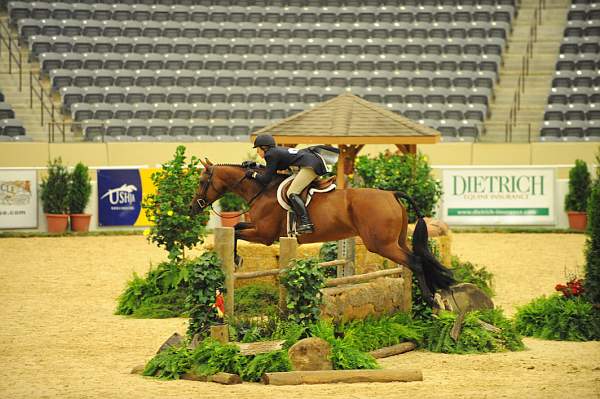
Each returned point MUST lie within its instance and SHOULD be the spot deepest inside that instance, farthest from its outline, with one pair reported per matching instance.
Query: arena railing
(14, 51)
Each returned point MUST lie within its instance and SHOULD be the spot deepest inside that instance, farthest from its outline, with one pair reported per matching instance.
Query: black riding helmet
(265, 140)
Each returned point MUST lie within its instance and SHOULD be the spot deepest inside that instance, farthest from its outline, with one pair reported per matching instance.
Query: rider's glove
(251, 174)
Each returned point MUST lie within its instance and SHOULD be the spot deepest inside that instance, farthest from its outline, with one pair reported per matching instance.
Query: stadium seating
(573, 109)
(251, 62)
(11, 129)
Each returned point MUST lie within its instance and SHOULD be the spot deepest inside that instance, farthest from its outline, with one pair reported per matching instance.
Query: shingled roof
(348, 119)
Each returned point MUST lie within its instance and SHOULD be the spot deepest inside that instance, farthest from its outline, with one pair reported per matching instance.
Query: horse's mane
(277, 179)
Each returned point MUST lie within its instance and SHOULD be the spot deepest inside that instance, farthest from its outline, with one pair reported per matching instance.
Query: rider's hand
(250, 174)
(248, 164)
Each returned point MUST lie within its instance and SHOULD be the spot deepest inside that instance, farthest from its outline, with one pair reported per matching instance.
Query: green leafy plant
(270, 362)
(559, 318)
(467, 272)
(253, 328)
(80, 189)
(303, 282)
(176, 183)
(161, 293)
(371, 333)
(592, 244)
(256, 299)
(55, 188)
(328, 251)
(231, 202)
(579, 187)
(473, 338)
(169, 364)
(204, 279)
(408, 173)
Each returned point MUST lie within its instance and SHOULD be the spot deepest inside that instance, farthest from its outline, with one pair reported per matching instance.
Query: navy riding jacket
(281, 158)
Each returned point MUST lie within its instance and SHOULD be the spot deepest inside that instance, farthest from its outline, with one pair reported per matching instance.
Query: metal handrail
(40, 94)
(7, 39)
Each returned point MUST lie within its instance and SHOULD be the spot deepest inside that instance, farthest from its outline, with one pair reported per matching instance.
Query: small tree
(592, 252)
(80, 189)
(55, 188)
(407, 173)
(169, 208)
(579, 187)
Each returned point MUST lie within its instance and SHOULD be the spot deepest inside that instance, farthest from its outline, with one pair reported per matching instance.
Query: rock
(310, 354)
(465, 297)
(139, 369)
(174, 340)
(436, 228)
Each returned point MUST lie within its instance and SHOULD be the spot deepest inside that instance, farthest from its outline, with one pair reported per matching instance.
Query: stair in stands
(541, 71)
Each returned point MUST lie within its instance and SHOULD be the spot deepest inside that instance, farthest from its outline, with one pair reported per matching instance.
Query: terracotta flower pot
(80, 222)
(57, 223)
(230, 219)
(577, 220)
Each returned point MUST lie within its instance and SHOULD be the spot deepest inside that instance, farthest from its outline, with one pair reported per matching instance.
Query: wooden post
(287, 251)
(224, 248)
(346, 376)
(220, 332)
(347, 252)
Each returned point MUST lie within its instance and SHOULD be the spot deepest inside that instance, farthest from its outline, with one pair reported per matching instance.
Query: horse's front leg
(238, 233)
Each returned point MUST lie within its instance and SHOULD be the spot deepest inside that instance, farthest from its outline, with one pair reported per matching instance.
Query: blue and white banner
(120, 193)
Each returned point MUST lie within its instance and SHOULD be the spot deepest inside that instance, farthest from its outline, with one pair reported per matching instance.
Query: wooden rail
(287, 251)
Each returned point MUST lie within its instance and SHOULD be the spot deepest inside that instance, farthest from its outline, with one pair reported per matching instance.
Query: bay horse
(377, 216)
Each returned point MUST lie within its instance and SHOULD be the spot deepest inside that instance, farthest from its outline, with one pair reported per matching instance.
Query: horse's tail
(436, 275)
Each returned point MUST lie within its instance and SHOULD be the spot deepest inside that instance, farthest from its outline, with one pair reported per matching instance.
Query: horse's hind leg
(404, 256)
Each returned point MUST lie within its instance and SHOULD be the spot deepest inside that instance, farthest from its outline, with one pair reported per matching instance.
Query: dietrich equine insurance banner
(120, 193)
(505, 196)
(18, 199)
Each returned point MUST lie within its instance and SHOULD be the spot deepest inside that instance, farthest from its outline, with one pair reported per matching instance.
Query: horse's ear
(206, 164)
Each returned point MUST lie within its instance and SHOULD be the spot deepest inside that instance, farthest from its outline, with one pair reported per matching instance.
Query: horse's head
(215, 181)
(206, 193)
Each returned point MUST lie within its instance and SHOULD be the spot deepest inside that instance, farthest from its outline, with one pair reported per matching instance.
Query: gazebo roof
(348, 119)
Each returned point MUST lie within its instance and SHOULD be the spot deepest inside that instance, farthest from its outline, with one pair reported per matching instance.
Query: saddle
(317, 186)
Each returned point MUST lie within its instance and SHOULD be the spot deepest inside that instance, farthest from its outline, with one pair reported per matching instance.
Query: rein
(203, 204)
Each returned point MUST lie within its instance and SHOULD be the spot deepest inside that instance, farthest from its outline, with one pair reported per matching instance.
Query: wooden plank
(361, 278)
(334, 376)
(260, 273)
(393, 350)
(255, 348)
(349, 140)
(332, 263)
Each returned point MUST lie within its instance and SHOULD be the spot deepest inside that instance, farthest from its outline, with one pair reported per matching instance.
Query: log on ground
(347, 376)
(393, 350)
(225, 378)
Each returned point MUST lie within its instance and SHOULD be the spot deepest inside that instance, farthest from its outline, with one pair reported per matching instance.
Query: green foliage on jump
(211, 357)
(467, 272)
(256, 299)
(303, 282)
(592, 245)
(473, 338)
(408, 173)
(204, 279)
(164, 291)
(372, 333)
(559, 318)
(160, 294)
(169, 208)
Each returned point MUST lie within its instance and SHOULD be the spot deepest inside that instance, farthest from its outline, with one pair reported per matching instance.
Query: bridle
(209, 184)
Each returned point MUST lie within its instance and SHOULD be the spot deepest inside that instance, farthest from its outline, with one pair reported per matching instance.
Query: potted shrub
(79, 196)
(55, 191)
(577, 197)
(232, 206)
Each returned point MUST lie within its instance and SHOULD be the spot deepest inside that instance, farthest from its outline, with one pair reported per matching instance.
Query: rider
(310, 167)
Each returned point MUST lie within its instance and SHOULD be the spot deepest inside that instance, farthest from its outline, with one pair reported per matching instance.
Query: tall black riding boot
(305, 225)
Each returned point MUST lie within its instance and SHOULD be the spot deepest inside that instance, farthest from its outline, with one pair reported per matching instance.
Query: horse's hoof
(239, 262)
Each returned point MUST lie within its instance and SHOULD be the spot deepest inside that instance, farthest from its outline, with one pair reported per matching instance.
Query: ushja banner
(498, 196)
